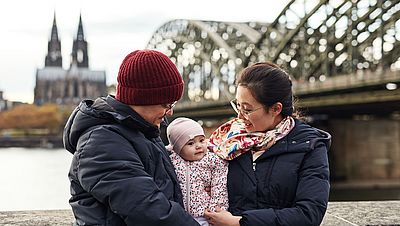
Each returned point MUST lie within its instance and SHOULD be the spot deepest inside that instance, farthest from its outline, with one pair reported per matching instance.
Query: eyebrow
(247, 103)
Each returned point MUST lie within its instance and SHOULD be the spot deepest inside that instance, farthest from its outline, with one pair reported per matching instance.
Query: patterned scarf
(230, 140)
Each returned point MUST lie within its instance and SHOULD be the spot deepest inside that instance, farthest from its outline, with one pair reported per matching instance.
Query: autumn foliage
(28, 116)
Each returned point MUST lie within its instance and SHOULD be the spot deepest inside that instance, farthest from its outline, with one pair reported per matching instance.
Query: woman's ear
(276, 108)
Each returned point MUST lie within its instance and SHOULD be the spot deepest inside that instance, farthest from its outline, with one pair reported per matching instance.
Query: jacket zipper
(187, 186)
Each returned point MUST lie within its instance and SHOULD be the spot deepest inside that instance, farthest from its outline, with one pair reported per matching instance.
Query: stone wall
(365, 149)
(338, 214)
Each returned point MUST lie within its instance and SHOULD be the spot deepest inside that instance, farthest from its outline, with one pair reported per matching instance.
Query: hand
(221, 218)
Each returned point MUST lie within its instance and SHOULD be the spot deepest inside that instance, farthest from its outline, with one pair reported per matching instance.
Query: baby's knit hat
(180, 131)
(148, 77)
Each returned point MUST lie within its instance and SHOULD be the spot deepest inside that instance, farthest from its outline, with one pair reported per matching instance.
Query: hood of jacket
(103, 111)
(302, 138)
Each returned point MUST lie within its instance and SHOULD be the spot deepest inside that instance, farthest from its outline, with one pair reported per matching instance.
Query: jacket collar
(303, 138)
(125, 115)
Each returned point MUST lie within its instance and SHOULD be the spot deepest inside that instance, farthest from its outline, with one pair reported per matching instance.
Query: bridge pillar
(365, 149)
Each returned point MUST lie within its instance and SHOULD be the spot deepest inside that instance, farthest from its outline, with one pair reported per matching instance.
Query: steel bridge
(344, 60)
(340, 53)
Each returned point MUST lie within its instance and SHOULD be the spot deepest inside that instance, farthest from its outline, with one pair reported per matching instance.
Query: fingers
(209, 216)
(208, 213)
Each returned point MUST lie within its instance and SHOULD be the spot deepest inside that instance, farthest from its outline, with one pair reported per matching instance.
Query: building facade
(68, 86)
(3, 102)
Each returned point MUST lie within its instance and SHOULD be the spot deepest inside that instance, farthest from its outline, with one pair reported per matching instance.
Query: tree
(28, 116)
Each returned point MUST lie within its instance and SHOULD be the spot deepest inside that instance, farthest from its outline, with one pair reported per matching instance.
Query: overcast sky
(112, 29)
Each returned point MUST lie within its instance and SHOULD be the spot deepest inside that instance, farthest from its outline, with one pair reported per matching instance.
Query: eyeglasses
(169, 106)
(238, 109)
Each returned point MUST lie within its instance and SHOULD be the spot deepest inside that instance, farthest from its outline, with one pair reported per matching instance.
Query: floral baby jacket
(203, 183)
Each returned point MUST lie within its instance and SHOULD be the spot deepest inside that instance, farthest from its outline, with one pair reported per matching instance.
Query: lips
(247, 124)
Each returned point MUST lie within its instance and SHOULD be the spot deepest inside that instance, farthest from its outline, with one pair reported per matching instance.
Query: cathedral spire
(79, 55)
(53, 57)
(80, 36)
(54, 32)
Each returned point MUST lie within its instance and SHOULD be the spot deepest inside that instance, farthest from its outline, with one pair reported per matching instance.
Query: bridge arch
(207, 53)
(313, 40)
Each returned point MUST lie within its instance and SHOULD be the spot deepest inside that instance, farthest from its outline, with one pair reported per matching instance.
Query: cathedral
(68, 86)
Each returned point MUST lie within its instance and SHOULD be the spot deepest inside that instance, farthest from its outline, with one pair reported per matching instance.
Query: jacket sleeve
(110, 169)
(311, 199)
(219, 190)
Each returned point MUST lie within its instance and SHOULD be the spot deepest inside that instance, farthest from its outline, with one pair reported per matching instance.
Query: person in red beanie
(120, 173)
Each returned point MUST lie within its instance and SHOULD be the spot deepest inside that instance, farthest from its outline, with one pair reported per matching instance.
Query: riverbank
(338, 213)
(31, 142)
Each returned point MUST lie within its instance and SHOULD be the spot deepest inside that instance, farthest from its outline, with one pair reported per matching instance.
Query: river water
(37, 179)
(34, 179)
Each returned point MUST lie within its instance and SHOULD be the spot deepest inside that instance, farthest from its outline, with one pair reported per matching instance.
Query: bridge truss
(314, 41)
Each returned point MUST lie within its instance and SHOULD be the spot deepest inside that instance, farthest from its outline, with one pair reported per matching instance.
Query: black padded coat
(287, 185)
(120, 172)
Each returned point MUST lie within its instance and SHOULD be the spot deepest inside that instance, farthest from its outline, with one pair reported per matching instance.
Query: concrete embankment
(32, 142)
(338, 214)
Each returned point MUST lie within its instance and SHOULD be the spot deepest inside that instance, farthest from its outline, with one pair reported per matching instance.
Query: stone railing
(338, 214)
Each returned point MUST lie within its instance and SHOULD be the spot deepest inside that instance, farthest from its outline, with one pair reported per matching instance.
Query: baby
(201, 174)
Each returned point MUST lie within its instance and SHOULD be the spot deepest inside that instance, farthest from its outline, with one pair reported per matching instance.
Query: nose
(198, 145)
(241, 116)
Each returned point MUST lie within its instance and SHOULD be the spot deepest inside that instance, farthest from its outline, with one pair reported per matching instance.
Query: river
(34, 179)
(37, 179)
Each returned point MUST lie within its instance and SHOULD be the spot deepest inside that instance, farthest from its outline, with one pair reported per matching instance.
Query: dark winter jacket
(289, 184)
(120, 173)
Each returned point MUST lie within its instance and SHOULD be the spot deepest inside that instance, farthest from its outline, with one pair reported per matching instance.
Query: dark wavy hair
(269, 84)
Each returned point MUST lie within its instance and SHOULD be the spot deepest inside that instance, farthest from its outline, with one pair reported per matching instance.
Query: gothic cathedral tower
(68, 86)
(79, 55)
(53, 57)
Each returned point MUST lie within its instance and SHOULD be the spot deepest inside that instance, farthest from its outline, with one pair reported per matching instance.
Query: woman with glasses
(278, 165)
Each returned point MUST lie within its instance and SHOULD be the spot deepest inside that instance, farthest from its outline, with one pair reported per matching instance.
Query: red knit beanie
(148, 77)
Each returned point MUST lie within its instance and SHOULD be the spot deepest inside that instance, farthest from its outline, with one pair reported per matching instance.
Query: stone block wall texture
(366, 150)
